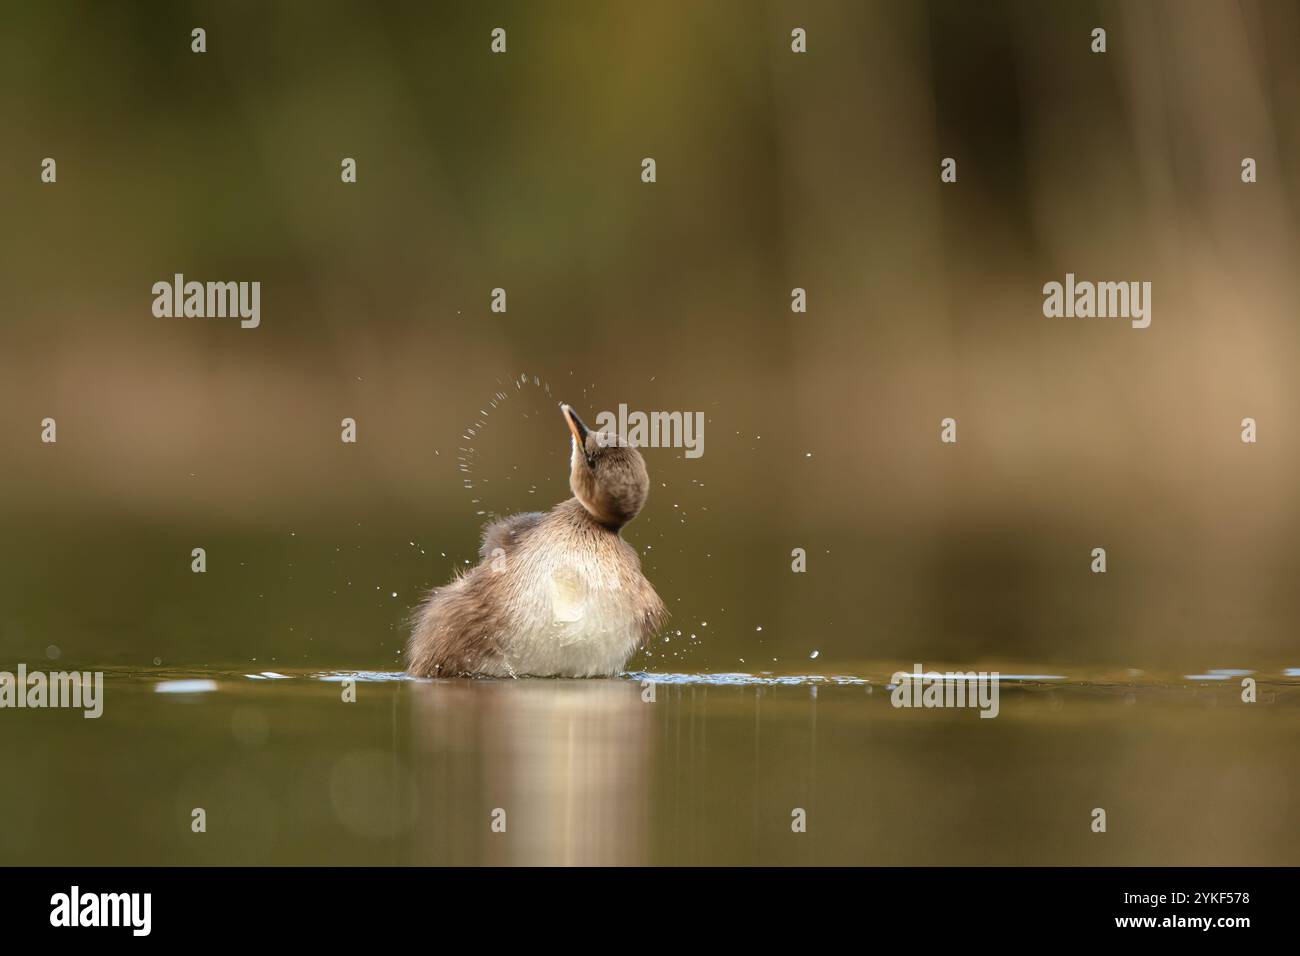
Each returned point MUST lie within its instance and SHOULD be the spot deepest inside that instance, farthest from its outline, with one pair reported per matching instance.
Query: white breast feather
(571, 616)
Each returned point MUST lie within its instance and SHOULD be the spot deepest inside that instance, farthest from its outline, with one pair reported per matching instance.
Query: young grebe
(555, 594)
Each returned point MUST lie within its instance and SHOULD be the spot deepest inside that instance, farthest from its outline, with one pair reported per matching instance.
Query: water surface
(708, 772)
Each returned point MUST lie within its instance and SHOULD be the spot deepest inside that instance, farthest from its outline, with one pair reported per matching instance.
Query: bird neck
(581, 516)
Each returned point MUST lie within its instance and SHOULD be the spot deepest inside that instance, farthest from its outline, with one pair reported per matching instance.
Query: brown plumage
(558, 593)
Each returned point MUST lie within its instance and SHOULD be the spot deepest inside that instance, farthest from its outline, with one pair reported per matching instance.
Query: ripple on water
(185, 686)
(745, 680)
(207, 680)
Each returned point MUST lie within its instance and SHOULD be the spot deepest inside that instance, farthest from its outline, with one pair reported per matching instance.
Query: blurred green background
(775, 170)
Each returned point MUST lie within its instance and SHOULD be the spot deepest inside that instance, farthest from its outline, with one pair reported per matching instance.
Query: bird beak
(575, 425)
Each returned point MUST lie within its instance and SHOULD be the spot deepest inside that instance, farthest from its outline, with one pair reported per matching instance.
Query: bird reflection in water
(562, 765)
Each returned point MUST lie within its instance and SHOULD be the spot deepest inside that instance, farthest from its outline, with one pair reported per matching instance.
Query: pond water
(691, 768)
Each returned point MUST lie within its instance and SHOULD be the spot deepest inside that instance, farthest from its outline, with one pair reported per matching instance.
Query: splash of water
(508, 394)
